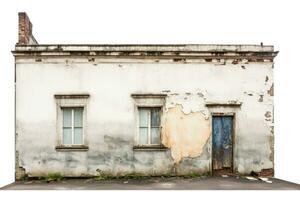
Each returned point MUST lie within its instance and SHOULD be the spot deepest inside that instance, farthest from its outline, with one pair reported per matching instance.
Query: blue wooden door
(222, 143)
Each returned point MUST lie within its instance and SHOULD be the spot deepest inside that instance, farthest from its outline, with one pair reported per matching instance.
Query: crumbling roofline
(146, 47)
(176, 55)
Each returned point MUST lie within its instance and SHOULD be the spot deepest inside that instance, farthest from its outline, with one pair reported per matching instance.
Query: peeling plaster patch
(19, 170)
(272, 130)
(235, 61)
(91, 59)
(190, 103)
(271, 90)
(185, 132)
(267, 79)
(179, 60)
(166, 91)
(268, 114)
(261, 98)
(245, 61)
(200, 94)
(271, 143)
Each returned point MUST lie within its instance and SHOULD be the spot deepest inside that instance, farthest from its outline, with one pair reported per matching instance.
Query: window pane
(67, 136)
(155, 117)
(67, 117)
(78, 139)
(143, 117)
(143, 137)
(78, 117)
(155, 136)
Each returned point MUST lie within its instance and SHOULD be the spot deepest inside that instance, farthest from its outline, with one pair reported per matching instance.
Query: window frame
(149, 125)
(148, 101)
(72, 126)
(71, 101)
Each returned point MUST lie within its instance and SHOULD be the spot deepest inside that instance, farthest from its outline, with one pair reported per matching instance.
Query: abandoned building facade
(82, 110)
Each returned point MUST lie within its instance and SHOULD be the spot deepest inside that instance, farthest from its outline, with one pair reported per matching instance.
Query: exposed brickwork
(25, 30)
(267, 173)
(19, 171)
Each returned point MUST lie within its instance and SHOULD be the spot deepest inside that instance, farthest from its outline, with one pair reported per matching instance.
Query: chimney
(25, 30)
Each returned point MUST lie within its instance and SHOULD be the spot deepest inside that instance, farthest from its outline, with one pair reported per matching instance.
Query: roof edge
(147, 47)
(180, 51)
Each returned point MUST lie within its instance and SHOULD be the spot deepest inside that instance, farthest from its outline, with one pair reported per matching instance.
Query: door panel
(222, 142)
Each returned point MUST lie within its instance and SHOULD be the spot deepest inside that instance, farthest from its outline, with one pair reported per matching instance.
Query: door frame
(220, 114)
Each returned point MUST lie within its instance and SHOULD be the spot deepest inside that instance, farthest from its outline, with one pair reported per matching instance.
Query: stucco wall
(110, 120)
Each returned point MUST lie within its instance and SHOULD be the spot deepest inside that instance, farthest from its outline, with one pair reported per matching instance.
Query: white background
(163, 22)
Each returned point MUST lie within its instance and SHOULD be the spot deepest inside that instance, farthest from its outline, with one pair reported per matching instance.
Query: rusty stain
(185, 134)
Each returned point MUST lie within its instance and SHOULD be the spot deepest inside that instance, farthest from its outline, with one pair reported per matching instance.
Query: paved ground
(174, 183)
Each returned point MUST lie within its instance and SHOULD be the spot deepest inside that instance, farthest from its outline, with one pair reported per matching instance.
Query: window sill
(149, 148)
(72, 148)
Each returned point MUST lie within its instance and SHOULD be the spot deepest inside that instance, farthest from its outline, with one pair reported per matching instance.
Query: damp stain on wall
(185, 134)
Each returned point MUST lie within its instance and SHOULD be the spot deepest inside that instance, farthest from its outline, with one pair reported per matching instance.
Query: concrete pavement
(158, 183)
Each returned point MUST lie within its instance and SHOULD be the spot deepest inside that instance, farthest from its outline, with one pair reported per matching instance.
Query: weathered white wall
(110, 115)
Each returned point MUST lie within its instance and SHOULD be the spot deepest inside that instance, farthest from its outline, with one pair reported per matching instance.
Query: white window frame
(148, 101)
(149, 125)
(72, 126)
(71, 101)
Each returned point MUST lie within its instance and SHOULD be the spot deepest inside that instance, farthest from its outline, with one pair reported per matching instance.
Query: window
(72, 126)
(149, 126)
(71, 122)
(149, 111)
